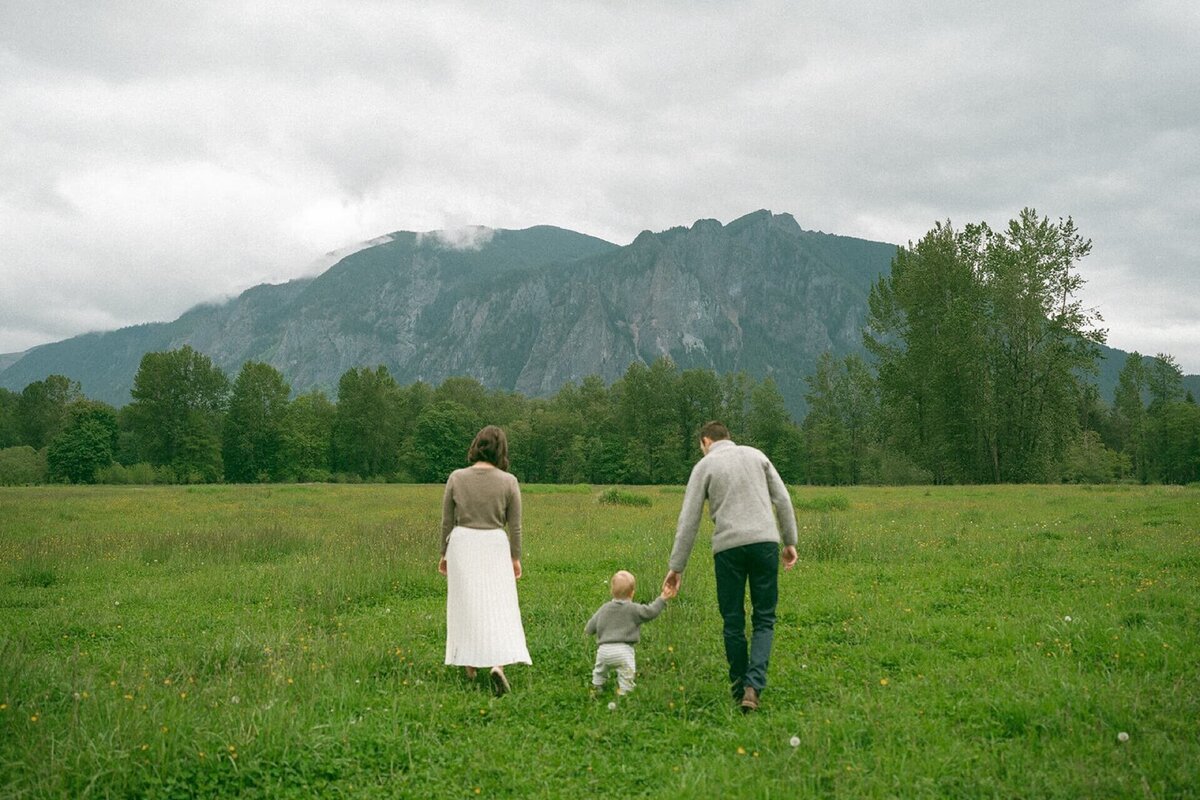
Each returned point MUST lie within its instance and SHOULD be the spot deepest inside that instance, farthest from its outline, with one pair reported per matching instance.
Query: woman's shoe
(499, 683)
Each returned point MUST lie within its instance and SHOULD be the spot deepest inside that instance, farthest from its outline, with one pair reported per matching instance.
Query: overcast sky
(154, 155)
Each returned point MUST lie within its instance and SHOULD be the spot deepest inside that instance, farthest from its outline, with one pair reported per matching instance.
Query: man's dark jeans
(758, 565)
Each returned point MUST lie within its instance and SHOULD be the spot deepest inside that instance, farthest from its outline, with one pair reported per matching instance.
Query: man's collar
(720, 443)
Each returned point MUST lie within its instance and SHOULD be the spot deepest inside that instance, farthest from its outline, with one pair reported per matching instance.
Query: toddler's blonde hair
(622, 584)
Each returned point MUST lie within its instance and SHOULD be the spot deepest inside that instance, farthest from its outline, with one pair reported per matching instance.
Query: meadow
(286, 641)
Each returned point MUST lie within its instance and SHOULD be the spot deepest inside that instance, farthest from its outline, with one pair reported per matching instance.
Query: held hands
(670, 586)
(789, 556)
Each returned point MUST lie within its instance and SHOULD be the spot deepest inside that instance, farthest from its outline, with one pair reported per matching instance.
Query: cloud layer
(156, 155)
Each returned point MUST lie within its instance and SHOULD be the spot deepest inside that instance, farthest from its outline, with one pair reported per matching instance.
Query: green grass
(286, 641)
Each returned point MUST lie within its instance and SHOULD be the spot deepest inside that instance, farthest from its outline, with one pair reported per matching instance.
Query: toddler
(616, 628)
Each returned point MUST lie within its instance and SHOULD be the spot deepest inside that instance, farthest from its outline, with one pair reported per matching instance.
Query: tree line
(188, 423)
(979, 355)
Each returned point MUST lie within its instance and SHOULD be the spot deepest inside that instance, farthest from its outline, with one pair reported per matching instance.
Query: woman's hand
(516, 567)
(442, 565)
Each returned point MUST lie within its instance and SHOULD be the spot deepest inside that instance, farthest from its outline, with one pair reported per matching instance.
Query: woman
(483, 618)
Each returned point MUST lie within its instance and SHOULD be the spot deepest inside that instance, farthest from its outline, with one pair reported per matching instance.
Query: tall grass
(287, 642)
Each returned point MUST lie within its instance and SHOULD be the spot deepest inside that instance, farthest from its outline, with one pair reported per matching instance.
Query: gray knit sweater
(747, 500)
(621, 620)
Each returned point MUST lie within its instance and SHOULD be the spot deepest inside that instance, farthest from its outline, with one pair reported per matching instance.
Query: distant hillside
(529, 310)
(1109, 368)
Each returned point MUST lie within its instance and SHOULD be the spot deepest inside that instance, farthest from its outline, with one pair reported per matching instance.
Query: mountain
(527, 310)
(362, 311)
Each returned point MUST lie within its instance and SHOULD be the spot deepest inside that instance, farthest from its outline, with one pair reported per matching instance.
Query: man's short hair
(714, 431)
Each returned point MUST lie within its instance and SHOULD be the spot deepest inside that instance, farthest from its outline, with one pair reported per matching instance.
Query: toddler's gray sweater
(621, 620)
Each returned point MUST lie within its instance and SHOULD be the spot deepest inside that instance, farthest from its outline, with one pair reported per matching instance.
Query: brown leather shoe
(500, 685)
(749, 700)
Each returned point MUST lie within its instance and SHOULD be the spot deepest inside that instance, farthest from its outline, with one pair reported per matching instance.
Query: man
(750, 508)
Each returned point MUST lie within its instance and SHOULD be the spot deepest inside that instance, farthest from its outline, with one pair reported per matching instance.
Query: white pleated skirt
(483, 617)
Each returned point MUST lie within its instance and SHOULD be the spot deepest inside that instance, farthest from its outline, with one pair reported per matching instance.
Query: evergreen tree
(1129, 415)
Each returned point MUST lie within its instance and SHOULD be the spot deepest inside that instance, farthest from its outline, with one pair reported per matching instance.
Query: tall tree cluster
(982, 347)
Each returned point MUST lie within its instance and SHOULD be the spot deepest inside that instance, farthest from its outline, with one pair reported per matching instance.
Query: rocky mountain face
(524, 310)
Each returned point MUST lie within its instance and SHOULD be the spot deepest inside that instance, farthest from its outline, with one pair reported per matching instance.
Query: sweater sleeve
(514, 520)
(689, 517)
(785, 515)
(447, 513)
(590, 627)
(652, 609)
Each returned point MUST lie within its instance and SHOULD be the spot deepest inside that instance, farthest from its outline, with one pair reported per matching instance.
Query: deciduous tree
(254, 430)
(179, 397)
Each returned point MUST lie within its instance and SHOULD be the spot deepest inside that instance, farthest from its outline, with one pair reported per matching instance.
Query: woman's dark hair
(490, 445)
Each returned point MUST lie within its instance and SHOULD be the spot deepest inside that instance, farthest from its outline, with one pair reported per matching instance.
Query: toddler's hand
(669, 591)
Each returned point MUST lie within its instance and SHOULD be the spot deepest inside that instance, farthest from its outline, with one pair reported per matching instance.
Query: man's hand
(516, 567)
(671, 583)
(669, 592)
(789, 556)
(442, 565)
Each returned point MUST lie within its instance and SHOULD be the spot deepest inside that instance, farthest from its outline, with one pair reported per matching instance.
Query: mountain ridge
(524, 310)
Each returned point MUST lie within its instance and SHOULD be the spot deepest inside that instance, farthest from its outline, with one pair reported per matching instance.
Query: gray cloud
(156, 155)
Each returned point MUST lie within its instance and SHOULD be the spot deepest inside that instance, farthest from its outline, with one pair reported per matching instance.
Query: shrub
(22, 466)
(117, 474)
(312, 475)
(896, 469)
(1088, 460)
(620, 497)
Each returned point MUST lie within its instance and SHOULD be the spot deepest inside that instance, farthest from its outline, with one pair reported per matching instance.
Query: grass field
(287, 641)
